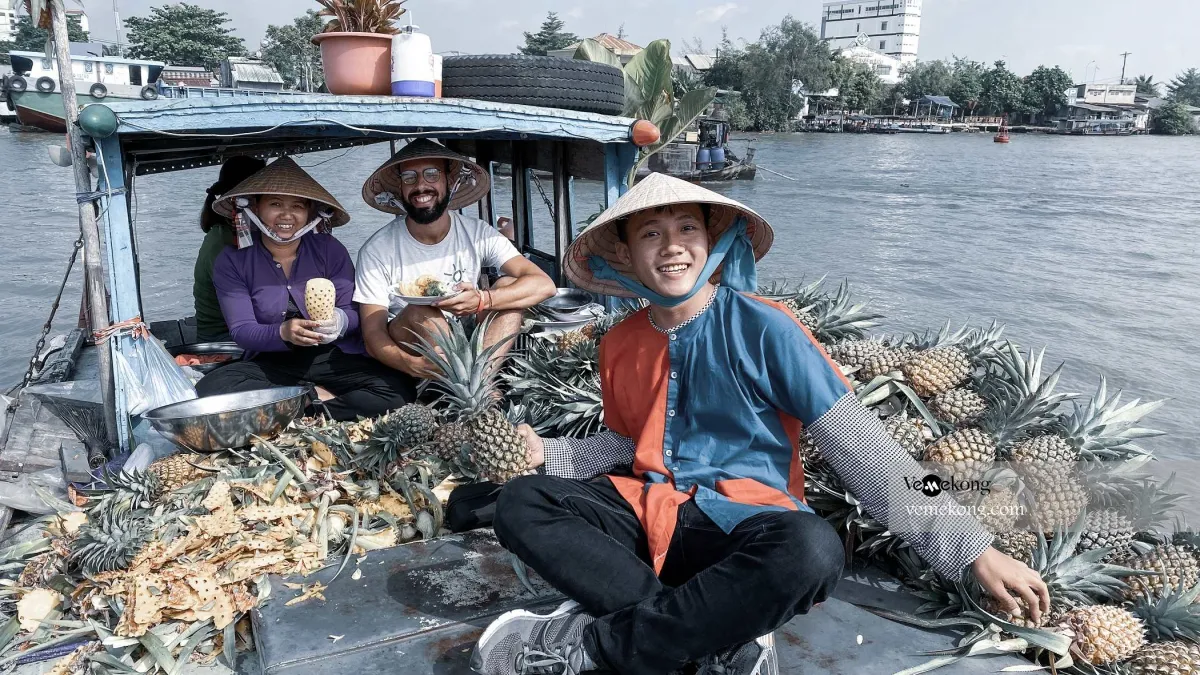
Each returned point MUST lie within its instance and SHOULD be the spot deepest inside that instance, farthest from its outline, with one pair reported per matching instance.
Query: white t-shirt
(392, 256)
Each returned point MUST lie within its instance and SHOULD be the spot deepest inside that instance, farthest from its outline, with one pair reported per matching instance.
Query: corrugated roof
(700, 61)
(249, 70)
(940, 100)
(612, 43)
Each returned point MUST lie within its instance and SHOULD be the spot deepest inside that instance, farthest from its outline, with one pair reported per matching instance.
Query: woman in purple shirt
(282, 217)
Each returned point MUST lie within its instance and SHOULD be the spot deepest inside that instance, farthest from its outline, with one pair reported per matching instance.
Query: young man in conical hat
(424, 184)
(698, 544)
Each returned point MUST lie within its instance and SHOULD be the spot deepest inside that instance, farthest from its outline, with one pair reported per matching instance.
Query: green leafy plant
(649, 92)
(361, 16)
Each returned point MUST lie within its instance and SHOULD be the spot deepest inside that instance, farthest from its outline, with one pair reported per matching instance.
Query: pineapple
(1059, 497)
(909, 433)
(39, 570)
(1165, 658)
(1016, 410)
(176, 471)
(810, 457)
(570, 339)
(949, 359)
(1103, 634)
(887, 361)
(448, 441)
(561, 388)
(1174, 565)
(1022, 617)
(109, 542)
(1017, 544)
(1044, 449)
(415, 425)
(466, 378)
(854, 353)
(1107, 528)
(998, 510)
(958, 406)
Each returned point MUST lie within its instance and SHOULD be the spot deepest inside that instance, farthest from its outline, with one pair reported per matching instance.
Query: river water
(1086, 246)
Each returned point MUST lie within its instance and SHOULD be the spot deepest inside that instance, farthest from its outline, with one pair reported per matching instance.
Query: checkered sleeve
(874, 468)
(586, 458)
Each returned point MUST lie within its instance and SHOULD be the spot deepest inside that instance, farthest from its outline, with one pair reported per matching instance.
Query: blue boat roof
(171, 134)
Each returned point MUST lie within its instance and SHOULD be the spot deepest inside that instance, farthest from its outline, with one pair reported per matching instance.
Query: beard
(425, 216)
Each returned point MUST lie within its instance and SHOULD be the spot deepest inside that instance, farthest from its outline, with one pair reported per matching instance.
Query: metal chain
(41, 343)
(538, 184)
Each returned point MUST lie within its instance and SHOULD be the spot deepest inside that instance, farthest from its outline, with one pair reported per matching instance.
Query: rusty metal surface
(418, 609)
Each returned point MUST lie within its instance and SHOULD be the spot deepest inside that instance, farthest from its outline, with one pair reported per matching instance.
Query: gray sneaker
(524, 643)
(756, 657)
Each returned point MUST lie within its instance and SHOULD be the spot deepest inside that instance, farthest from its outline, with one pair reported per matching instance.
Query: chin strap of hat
(465, 177)
(243, 210)
(733, 248)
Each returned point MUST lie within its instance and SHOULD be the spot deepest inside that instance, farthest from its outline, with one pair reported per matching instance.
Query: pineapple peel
(218, 497)
(251, 513)
(320, 299)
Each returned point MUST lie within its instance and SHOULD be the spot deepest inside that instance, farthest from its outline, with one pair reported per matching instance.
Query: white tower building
(891, 27)
(8, 19)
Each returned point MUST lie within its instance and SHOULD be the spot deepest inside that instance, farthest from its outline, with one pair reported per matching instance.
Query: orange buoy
(643, 133)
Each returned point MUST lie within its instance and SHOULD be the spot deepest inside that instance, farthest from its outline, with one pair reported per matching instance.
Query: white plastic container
(412, 64)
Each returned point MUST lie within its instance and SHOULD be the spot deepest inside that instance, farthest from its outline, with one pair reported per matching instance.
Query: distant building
(83, 18)
(886, 66)
(244, 73)
(1114, 94)
(892, 27)
(8, 19)
(188, 76)
(623, 49)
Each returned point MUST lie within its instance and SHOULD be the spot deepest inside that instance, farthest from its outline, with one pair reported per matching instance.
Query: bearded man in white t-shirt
(425, 184)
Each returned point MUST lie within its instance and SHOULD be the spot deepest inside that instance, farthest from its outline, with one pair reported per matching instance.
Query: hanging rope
(41, 343)
(133, 327)
(538, 184)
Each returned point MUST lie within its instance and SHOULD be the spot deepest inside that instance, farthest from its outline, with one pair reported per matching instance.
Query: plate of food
(426, 290)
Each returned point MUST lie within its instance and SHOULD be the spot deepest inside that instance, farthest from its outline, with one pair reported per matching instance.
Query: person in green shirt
(218, 233)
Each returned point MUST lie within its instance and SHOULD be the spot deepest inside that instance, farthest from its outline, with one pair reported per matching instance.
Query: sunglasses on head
(431, 175)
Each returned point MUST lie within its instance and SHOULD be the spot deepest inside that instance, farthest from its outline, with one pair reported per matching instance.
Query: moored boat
(35, 94)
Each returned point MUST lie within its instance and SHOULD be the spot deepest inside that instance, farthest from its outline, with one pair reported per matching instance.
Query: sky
(1084, 37)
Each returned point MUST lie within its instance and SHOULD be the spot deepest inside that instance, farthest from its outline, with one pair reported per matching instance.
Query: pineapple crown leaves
(839, 318)
(1105, 428)
(803, 296)
(1173, 616)
(1081, 579)
(125, 490)
(110, 542)
(464, 375)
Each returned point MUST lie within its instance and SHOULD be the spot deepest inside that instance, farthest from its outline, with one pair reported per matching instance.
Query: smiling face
(283, 214)
(666, 247)
(425, 201)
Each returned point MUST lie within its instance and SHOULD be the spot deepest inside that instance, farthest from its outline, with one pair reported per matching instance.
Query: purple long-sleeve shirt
(253, 291)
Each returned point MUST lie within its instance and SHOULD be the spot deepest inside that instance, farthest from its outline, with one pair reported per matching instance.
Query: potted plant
(356, 45)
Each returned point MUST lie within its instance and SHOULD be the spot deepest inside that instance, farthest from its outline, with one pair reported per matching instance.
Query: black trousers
(361, 385)
(716, 590)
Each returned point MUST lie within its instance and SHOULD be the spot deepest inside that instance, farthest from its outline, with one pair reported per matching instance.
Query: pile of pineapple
(1069, 494)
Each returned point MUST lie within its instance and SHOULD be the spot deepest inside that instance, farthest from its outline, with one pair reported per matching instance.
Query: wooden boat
(34, 93)
(690, 158)
(417, 608)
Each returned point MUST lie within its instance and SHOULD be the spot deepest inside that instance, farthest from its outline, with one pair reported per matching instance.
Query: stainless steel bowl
(215, 423)
(568, 304)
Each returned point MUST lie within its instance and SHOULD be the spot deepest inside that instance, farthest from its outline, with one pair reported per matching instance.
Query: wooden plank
(124, 301)
(562, 213)
(612, 175)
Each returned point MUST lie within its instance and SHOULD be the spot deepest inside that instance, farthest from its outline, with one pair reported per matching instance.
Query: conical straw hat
(600, 238)
(476, 181)
(282, 177)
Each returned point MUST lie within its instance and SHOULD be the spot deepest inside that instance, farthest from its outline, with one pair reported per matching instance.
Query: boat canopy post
(521, 197)
(97, 301)
(487, 205)
(563, 218)
(122, 267)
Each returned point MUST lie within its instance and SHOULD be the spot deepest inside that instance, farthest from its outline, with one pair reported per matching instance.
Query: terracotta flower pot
(356, 64)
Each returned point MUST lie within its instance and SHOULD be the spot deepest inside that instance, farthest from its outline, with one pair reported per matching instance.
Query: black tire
(18, 84)
(545, 81)
(44, 84)
(149, 92)
(98, 90)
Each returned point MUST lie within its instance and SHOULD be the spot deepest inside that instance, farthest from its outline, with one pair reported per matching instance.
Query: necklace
(667, 331)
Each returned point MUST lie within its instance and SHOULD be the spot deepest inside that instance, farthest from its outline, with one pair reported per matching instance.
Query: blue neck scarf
(733, 248)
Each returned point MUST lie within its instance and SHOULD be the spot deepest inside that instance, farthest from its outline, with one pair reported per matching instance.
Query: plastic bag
(151, 376)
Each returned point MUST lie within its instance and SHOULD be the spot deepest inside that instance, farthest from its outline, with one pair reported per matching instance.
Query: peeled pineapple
(175, 471)
(320, 299)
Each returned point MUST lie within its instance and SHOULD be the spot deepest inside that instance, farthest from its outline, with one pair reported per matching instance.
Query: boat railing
(223, 92)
